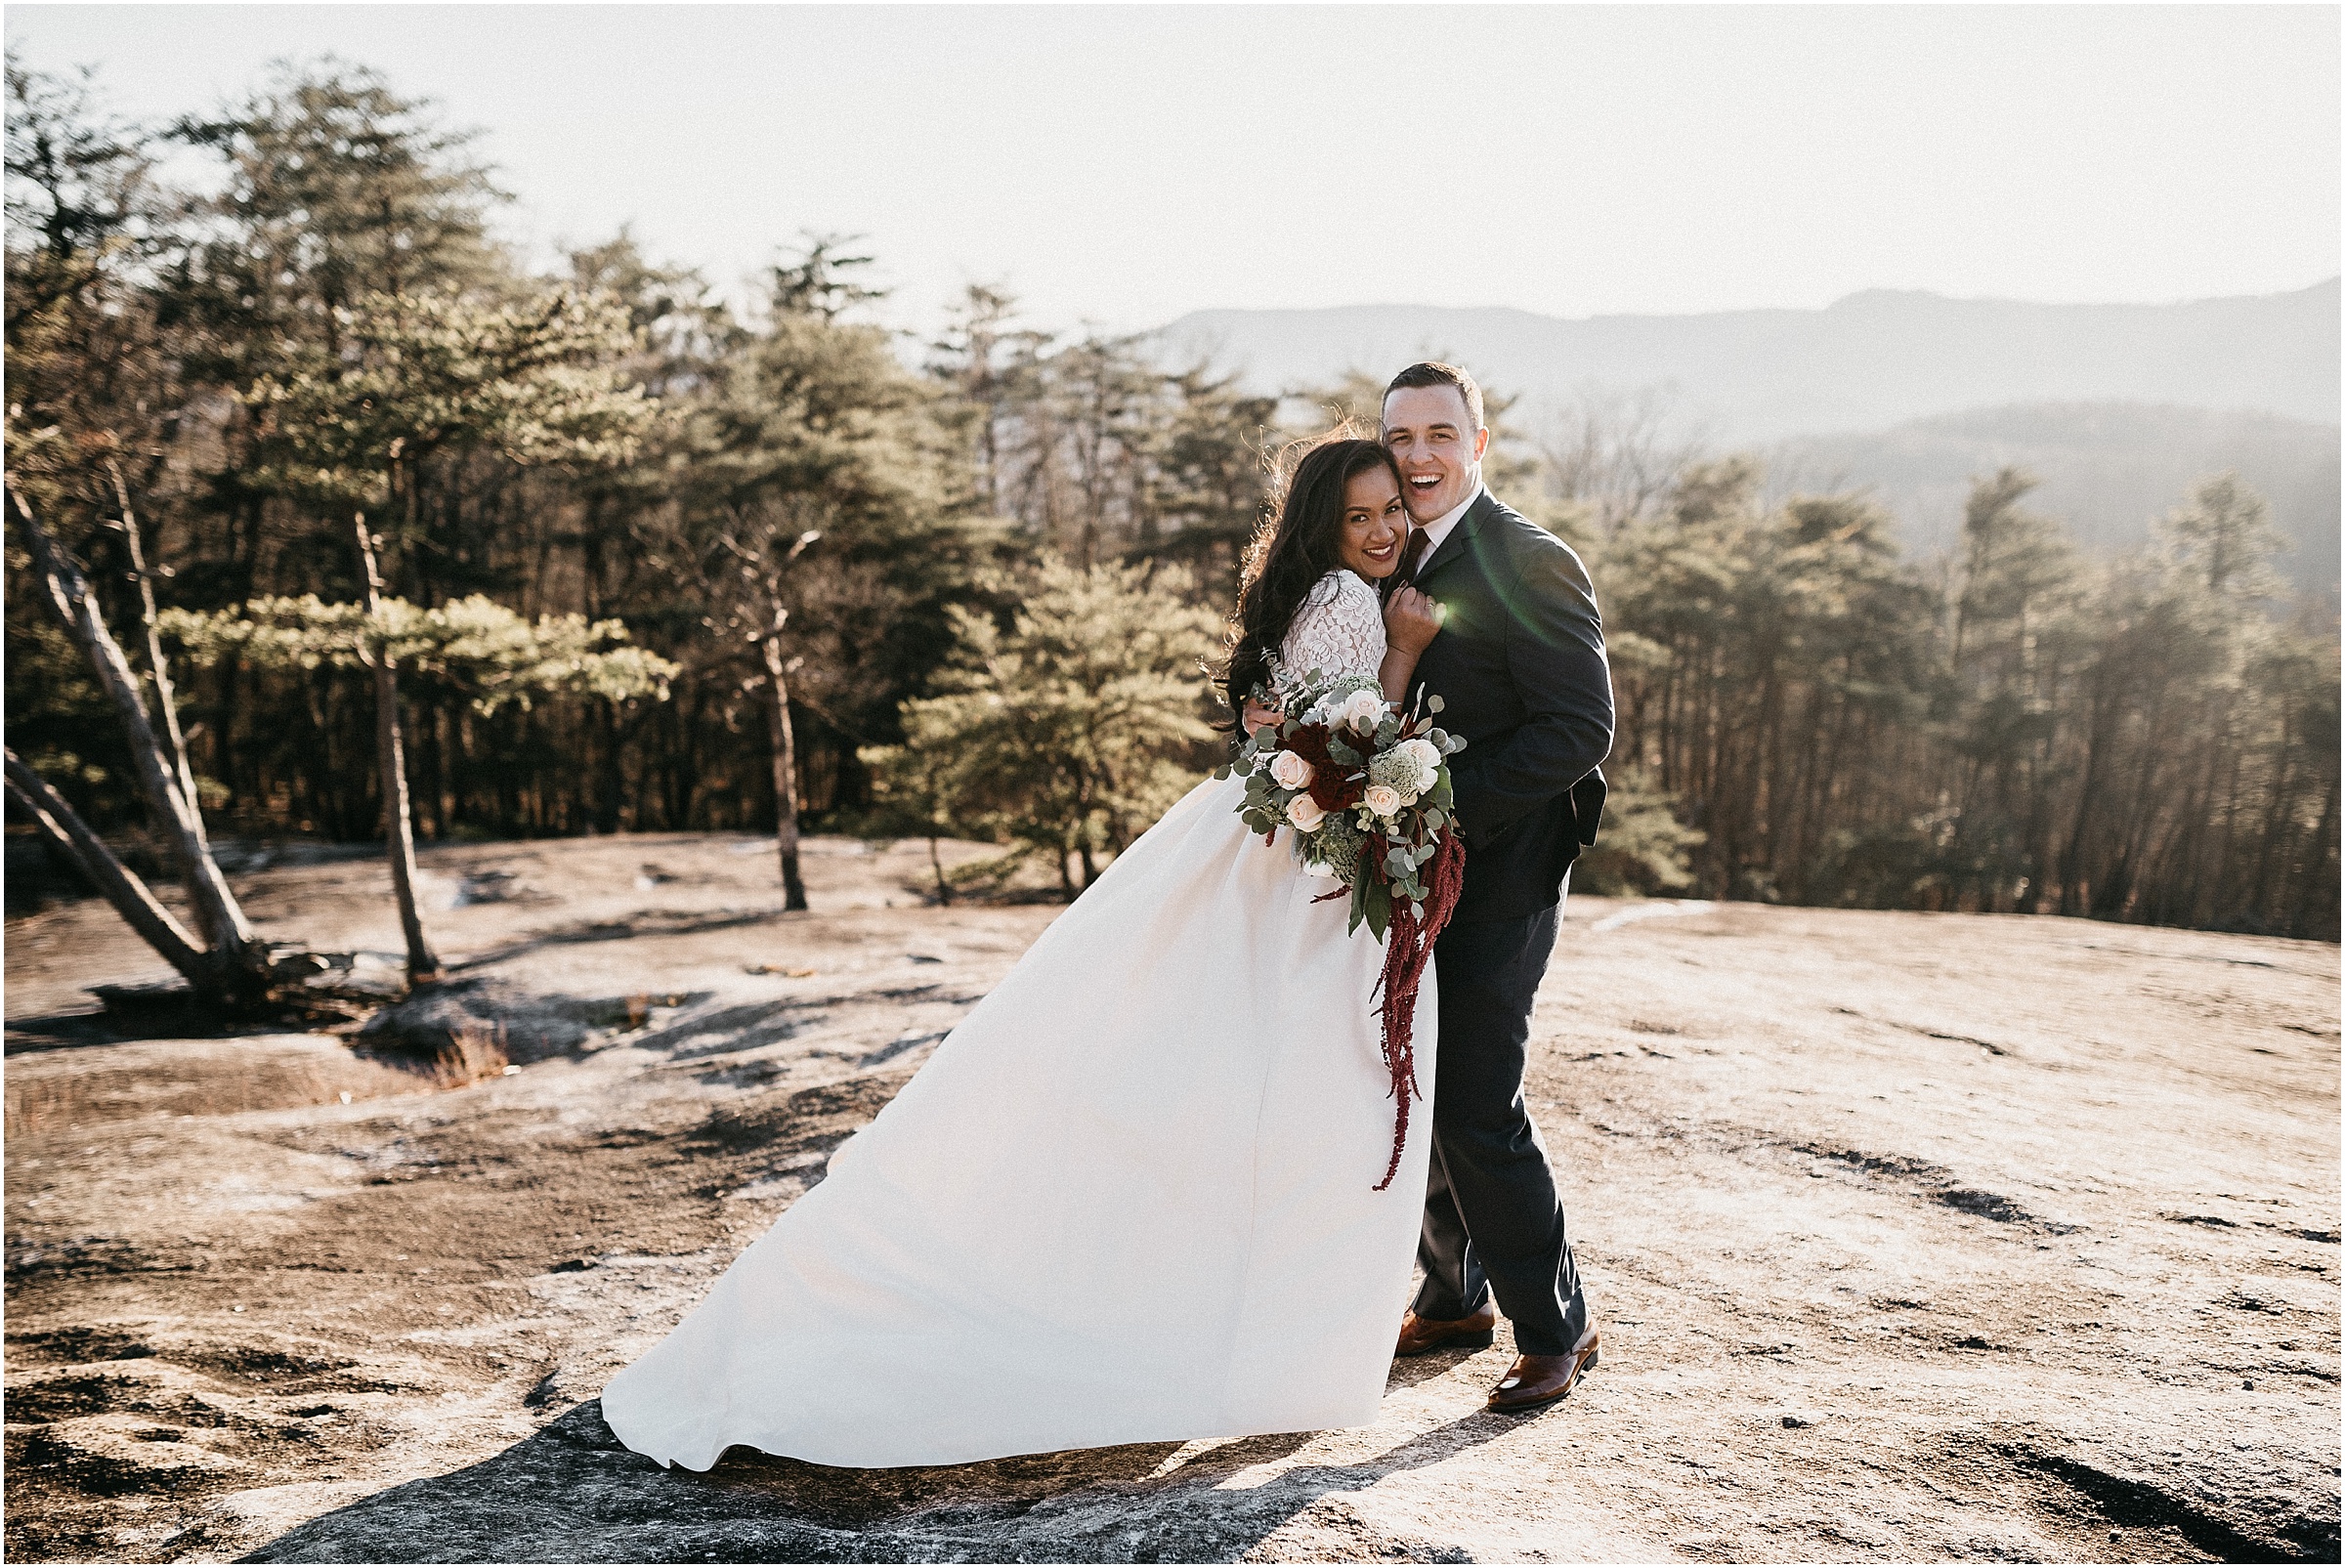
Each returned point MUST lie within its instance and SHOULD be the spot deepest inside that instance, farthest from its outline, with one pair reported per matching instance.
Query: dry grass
(476, 1052)
(48, 1092)
(42, 1098)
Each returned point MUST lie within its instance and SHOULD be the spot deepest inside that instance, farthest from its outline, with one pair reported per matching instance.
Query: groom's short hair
(1433, 373)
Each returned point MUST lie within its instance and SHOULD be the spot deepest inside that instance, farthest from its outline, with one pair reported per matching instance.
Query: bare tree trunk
(786, 770)
(936, 863)
(165, 700)
(757, 567)
(58, 850)
(131, 898)
(2317, 875)
(611, 776)
(399, 826)
(241, 962)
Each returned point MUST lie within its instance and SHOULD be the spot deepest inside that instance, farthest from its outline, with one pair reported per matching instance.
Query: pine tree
(1070, 729)
(818, 503)
(413, 377)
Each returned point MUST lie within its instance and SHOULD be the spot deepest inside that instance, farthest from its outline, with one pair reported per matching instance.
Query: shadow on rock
(574, 1493)
(726, 1029)
(646, 924)
(530, 1027)
(1410, 1371)
(311, 991)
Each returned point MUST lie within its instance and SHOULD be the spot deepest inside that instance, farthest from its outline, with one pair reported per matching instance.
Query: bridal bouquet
(1365, 790)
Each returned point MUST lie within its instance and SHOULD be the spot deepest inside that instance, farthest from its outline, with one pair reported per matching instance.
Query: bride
(1131, 1198)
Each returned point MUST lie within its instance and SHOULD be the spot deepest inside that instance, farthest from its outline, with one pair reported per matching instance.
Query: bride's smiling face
(1375, 524)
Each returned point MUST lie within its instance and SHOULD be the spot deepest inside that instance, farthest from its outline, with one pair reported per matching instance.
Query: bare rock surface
(1910, 1236)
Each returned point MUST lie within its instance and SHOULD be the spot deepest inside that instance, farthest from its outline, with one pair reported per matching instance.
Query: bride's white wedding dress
(1127, 1200)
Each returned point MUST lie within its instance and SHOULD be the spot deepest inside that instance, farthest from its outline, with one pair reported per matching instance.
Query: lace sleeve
(1340, 630)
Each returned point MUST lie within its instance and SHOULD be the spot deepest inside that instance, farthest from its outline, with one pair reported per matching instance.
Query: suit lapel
(1455, 544)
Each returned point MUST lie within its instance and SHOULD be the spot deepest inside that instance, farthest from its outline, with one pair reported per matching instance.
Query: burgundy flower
(1337, 790)
(1308, 742)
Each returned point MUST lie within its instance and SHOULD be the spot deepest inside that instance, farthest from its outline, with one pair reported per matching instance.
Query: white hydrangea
(1405, 770)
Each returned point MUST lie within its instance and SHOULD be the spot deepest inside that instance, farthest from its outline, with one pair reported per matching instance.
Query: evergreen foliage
(472, 648)
(1066, 724)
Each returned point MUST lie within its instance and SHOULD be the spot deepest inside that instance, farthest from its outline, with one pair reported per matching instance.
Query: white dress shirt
(1438, 529)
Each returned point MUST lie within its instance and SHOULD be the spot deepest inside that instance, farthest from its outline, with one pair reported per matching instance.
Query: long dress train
(1129, 1198)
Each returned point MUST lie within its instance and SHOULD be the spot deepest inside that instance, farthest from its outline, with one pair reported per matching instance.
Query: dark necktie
(1410, 554)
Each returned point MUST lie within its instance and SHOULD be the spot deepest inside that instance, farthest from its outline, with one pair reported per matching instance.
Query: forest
(329, 517)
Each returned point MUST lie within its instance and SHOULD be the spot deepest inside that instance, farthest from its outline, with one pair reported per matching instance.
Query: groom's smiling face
(1433, 436)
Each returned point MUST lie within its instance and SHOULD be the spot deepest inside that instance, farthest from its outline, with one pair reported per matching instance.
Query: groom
(1520, 668)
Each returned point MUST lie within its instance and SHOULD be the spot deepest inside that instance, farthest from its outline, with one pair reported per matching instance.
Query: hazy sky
(1125, 164)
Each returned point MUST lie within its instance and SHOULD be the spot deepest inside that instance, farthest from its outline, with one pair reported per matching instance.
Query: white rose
(1289, 771)
(1425, 755)
(1383, 799)
(1304, 813)
(1362, 709)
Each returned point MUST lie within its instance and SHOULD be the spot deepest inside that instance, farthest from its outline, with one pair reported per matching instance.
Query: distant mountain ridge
(2117, 408)
(2107, 470)
(1873, 360)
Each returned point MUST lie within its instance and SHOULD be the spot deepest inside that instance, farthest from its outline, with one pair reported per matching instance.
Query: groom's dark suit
(1520, 668)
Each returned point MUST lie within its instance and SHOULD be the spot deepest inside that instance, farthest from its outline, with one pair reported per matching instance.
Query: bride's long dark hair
(1291, 552)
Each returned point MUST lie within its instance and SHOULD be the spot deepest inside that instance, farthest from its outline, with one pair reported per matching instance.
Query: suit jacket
(1520, 668)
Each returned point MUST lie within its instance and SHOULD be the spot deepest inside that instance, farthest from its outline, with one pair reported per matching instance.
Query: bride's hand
(1258, 717)
(1411, 620)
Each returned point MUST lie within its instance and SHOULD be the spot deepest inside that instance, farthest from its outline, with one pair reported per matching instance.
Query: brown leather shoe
(1421, 1335)
(1536, 1380)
